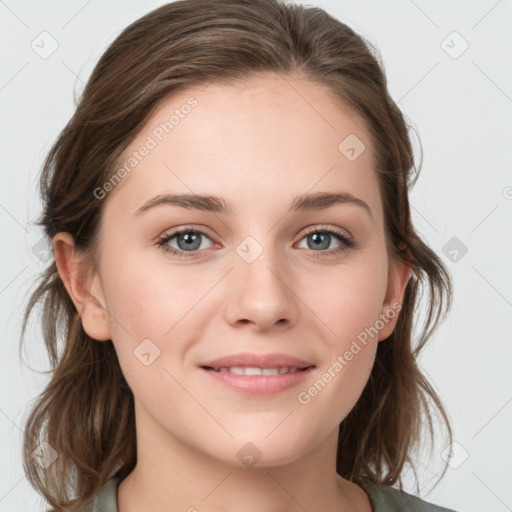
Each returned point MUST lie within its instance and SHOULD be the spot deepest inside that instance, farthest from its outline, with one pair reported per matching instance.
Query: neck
(171, 475)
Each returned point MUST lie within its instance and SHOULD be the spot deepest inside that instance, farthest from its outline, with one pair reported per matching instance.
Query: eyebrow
(215, 204)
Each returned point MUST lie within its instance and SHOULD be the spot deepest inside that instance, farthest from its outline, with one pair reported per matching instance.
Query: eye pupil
(316, 238)
(190, 239)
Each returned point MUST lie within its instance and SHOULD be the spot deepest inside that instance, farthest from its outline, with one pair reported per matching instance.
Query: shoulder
(389, 499)
(383, 499)
(106, 500)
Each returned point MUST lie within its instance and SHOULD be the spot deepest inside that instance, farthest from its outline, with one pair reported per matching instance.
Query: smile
(241, 370)
(250, 380)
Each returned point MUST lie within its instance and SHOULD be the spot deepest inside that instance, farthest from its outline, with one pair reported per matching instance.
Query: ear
(397, 281)
(83, 286)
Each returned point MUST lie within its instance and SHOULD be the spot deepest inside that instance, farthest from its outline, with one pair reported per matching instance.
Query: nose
(260, 293)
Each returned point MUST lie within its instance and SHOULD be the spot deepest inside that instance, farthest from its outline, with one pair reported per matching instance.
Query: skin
(258, 145)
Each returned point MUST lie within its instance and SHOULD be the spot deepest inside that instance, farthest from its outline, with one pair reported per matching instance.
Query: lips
(262, 361)
(258, 374)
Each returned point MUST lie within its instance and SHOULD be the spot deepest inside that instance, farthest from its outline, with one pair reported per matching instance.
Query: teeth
(242, 370)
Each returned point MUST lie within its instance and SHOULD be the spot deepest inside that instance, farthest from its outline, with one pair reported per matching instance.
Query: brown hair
(86, 412)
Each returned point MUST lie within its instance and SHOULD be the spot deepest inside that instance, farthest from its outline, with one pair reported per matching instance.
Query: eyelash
(347, 243)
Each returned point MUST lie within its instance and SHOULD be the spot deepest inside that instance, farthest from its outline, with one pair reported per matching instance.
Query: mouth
(256, 371)
(253, 374)
(253, 364)
(257, 374)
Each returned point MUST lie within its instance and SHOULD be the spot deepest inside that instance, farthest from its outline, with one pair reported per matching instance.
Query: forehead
(271, 134)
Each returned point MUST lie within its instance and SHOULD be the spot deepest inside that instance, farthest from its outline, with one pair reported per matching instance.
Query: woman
(235, 273)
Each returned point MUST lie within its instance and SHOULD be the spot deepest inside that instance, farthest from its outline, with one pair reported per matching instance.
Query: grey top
(382, 498)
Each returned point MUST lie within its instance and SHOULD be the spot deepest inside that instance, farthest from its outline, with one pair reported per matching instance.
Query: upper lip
(258, 361)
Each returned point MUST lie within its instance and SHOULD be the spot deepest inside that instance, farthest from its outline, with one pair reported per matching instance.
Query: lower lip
(260, 384)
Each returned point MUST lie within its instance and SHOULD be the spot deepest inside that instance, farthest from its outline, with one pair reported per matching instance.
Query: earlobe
(397, 283)
(83, 286)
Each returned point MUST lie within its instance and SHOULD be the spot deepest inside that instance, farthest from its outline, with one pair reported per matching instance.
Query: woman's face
(268, 276)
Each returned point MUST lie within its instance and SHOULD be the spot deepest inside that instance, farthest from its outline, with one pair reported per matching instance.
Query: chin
(255, 450)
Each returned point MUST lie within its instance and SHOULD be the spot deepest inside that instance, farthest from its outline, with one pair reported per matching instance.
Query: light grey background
(461, 106)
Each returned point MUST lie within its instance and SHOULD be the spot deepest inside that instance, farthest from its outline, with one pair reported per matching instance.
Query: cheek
(154, 312)
(349, 346)
(147, 308)
(347, 304)
(147, 300)
(347, 300)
